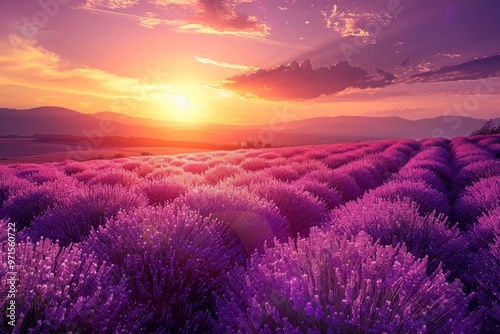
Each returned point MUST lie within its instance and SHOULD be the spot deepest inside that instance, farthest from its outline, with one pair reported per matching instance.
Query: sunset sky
(246, 61)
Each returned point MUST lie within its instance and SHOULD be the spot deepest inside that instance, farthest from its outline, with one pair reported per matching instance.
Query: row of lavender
(385, 237)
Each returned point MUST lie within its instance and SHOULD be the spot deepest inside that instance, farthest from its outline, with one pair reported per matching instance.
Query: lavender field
(381, 237)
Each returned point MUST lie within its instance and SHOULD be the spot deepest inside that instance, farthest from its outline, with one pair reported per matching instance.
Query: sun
(183, 103)
(183, 109)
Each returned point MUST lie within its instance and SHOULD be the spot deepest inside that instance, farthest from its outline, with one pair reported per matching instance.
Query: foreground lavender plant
(65, 291)
(485, 275)
(486, 230)
(173, 261)
(332, 284)
(399, 222)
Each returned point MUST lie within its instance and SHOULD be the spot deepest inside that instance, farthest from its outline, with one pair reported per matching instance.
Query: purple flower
(33, 201)
(363, 174)
(10, 186)
(252, 220)
(64, 290)
(420, 174)
(441, 169)
(74, 168)
(84, 211)
(220, 172)
(399, 222)
(485, 273)
(427, 198)
(246, 178)
(163, 172)
(487, 229)
(330, 283)
(115, 177)
(255, 164)
(327, 195)
(172, 260)
(476, 171)
(161, 191)
(343, 183)
(195, 167)
(476, 200)
(300, 208)
(283, 173)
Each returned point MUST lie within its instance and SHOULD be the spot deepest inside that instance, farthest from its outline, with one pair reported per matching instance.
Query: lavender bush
(252, 220)
(195, 167)
(476, 200)
(485, 272)
(476, 171)
(220, 172)
(420, 174)
(428, 199)
(343, 183)
(333, 284)
(115, 177)
(33, 201)
(283, 173)
(487, 229)
(83, 212)
(65, 291)
(10, 186)
(327, 195)
(399, 222)
(255, 164)
(172, 260)
(301, 209)
(161, 191)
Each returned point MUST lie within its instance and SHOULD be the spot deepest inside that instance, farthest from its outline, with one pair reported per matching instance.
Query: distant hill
(55, 120)
(384, 127)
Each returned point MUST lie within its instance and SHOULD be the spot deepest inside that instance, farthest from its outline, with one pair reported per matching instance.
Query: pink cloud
(301, 81)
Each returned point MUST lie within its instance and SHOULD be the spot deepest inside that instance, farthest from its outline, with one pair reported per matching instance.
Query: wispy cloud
(111, 4)
(147, 20)
(211, 30)
(219, 17)
(348, 23)
(224, 65)
(476, 69)
(45, 70)
(344, 24)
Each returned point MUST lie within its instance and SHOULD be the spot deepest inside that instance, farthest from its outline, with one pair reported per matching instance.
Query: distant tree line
(116, 141)
(488, 128)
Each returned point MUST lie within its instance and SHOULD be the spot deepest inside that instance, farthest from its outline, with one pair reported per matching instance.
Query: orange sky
(243, 61)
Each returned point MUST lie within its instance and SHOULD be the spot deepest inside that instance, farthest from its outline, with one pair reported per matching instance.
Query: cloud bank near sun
(302, 81)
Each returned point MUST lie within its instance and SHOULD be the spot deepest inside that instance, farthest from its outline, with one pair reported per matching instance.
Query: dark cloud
(471, 70)
(302, 81)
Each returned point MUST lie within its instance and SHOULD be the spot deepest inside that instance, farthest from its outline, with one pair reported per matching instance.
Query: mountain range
(319, 130)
